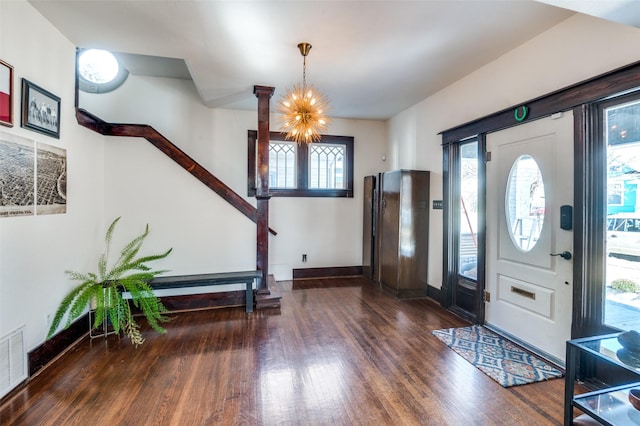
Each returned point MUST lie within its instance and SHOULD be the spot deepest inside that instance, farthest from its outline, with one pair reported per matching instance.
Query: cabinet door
(389, 223)
(368, 241)
(413, 231)
(377, 228)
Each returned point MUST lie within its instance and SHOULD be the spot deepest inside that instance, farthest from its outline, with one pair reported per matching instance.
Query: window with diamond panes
(282, 164)
(319, 169)
(326, 166)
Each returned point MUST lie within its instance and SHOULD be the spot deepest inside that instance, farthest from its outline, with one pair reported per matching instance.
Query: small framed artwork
(40, 110)
(6, 94)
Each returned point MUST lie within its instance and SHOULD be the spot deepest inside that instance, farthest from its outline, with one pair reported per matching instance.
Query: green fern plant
(103, 291)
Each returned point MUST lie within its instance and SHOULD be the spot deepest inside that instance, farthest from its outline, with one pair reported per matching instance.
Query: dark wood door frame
(588, 91)
(451, 243)
(580, 98)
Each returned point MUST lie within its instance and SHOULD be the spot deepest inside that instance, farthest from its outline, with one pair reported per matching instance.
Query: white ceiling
(622, 11)
(373, 59)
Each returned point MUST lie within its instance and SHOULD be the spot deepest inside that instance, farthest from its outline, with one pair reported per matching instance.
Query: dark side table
(610, 405)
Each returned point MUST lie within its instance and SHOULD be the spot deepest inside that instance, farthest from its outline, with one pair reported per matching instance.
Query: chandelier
(303, 108)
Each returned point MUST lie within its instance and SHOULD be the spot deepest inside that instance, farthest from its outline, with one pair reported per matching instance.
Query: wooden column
(263, 94)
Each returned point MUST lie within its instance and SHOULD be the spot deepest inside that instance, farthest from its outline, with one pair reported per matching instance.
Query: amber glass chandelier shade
(303, 109)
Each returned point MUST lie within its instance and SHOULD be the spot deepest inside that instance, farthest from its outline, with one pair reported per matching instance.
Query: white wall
(207, 235)
(109, 177)
(577, 49)
(36, 250)
(327, 230)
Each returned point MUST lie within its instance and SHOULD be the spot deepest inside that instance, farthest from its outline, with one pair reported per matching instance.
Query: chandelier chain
(304, 73)
(303, 108)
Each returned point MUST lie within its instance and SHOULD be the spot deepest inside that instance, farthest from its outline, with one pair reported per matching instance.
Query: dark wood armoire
(403, 233)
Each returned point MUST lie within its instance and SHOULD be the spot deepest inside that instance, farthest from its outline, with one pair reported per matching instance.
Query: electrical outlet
(304, 257)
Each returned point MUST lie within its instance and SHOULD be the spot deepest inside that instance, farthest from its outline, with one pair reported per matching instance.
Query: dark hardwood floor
(337, 352)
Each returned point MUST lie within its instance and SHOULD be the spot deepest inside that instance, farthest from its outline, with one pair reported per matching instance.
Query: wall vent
(13, 361)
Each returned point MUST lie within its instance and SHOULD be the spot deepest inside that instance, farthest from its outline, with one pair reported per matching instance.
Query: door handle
(565, 255)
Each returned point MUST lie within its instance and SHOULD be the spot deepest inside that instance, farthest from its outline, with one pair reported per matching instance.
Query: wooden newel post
(263, 93)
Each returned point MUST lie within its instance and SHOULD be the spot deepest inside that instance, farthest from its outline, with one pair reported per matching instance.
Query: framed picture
(17, 169)
(40, 110)
(6, 94)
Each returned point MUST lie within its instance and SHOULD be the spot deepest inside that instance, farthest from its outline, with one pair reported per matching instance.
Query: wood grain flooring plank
(337, 352)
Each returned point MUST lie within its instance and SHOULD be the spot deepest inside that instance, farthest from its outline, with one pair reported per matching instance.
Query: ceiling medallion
(303, 108)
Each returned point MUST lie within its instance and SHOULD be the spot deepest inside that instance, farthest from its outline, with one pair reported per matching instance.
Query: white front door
(529, 178)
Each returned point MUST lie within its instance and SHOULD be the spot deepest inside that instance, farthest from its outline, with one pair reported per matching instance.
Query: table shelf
(610, 405)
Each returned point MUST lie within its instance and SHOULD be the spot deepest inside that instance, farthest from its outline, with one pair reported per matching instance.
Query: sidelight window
(622, 265)
(468, 217)
(464, 245)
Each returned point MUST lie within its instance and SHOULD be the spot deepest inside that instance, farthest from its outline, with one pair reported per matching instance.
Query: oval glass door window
(524, 203)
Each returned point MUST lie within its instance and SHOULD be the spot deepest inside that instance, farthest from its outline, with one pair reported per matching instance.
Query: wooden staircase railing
(90, 121)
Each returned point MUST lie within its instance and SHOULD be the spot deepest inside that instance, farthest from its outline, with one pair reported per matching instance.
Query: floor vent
(13, 361)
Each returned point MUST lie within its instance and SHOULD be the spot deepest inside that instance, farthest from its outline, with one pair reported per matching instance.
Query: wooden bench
(201, 280)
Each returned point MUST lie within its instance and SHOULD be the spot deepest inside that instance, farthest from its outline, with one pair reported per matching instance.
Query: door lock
(565, 255)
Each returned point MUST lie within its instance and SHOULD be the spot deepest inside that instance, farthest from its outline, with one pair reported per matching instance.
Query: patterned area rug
(497, 357)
